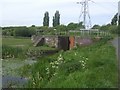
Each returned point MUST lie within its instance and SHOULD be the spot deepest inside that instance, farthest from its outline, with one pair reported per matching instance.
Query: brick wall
(53, 41)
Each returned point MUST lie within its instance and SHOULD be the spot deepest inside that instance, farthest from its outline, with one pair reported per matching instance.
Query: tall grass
(92, 66)
(12, 52)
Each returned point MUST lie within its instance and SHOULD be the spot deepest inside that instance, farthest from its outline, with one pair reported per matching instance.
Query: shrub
(24, 32)
(113, 29)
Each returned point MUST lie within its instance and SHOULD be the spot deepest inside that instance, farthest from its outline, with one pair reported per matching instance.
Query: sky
(31, 12)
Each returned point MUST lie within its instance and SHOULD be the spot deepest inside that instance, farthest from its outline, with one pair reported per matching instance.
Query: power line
(85, 13)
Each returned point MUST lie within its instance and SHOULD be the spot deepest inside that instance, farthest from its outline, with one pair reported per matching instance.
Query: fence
(82, 33)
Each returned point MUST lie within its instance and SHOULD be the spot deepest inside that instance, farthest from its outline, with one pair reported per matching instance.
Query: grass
(11, 41)
(23, 43)
(93, 66)
(12, 52)
(14, 47)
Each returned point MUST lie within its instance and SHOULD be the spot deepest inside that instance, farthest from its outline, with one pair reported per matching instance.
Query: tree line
(57, 27)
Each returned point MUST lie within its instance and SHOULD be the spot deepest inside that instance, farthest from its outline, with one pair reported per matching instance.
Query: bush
(113, 29)
(4, 32)
(24, 32)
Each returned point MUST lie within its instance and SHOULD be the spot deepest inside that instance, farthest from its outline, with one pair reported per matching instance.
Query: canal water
(10, 75)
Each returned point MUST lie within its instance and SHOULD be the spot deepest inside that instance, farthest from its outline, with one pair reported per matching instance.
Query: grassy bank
(94, 66)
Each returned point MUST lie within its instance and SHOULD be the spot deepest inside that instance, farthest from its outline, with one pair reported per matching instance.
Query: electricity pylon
(85, 13)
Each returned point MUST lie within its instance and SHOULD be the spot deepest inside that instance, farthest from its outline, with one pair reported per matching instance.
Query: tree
(33, 26)
(96, 27)
(119, 21)
(24, 32)
(112, 29)
(73, 26)
(56, 19)
(114, 20)
(104, 27)
(46, 19)
(61, 28)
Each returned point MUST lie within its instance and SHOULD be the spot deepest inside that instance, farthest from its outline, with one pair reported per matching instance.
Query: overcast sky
(31, 12)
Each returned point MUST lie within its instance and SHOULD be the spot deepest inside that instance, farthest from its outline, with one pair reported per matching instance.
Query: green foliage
(114, 19)
(12, 52)
(25, 70)
(21, 42)
(56, 19)
(79, 67)
(104, 27)
(70, 66)
(61, 28)
(24, 32)
(33, 26)
(113, 29)
(96, 27)
(73, 26)
(19, 31)
(46, 19)
(8, 32)
(4, 33)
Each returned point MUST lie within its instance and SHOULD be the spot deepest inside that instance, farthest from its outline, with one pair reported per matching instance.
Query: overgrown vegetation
(94, 66)
(12, 52)
(21, 48)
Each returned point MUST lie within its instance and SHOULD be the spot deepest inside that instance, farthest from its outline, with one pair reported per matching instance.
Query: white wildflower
(53, 66)
(82, 61)
(47, 68)
(75, 53)
(60, 55)
(54, 74)
(60, 58)
(56, 62)
(51, 63)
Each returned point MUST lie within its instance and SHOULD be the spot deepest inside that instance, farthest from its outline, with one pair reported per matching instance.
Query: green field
(23, 42)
